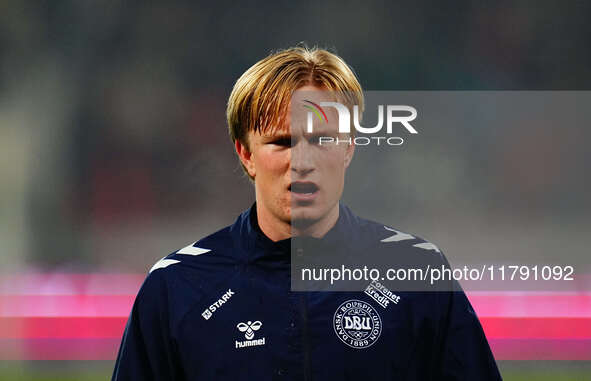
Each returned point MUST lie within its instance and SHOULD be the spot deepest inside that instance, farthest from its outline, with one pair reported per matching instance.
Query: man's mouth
(305, 188)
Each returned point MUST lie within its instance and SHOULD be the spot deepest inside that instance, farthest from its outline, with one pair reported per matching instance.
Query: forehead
(312, 113)
(294, 119)
(295, 124)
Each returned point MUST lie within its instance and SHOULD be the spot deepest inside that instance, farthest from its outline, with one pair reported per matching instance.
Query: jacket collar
(248, 234)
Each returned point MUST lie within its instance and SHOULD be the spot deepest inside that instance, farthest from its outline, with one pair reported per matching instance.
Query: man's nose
(302, 158)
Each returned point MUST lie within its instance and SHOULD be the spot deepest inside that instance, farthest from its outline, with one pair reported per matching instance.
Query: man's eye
(314, 139)
(284, 142)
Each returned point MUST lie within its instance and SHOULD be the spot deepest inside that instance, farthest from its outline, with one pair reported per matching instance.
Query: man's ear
(349, 155)
(245, 158)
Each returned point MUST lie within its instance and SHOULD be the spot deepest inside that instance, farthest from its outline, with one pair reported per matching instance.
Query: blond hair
(260, 97)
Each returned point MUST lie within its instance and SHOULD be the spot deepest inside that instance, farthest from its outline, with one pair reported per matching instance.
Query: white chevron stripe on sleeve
(427, 246)
(399, 236)
(163, 263)
(192, 250)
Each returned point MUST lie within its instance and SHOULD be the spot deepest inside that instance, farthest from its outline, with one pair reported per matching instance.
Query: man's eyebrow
(277, 136)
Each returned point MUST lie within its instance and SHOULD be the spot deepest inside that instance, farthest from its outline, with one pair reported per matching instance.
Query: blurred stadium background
(114, 153)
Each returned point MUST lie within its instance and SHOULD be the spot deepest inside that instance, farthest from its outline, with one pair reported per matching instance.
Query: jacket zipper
(306, 337)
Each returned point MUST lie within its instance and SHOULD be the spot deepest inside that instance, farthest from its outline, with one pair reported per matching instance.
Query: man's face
(298, 180)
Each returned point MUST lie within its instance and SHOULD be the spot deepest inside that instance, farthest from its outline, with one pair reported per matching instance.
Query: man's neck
(276, 229)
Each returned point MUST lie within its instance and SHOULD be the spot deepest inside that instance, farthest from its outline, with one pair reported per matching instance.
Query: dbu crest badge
(357, 324)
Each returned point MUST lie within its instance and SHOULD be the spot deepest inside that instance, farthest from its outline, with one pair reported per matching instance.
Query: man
(223, 307)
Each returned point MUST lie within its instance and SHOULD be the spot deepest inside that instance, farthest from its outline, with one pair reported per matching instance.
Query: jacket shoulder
(386, 234)
(387, 243)
(181, 279)
(211, 248)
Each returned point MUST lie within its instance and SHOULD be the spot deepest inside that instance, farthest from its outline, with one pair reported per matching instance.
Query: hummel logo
(249, 328)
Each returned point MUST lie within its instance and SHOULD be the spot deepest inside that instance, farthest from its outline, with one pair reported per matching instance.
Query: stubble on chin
(303, 219)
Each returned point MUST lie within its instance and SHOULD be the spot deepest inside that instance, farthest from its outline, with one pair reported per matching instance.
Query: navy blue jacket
(222, 309)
